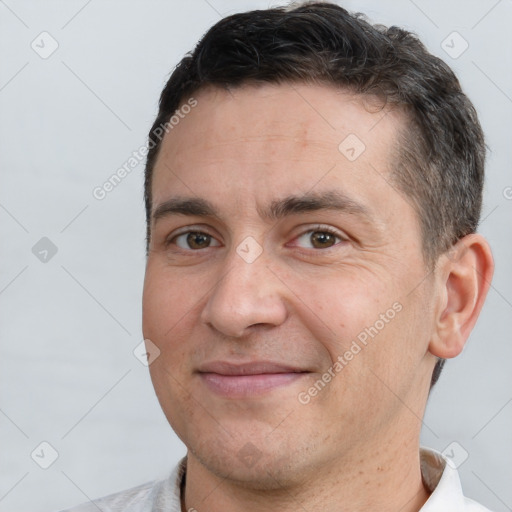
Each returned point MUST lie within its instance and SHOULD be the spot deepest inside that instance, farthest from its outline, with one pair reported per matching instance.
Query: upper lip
(249, 368)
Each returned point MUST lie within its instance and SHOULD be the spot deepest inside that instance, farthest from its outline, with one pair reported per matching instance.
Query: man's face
(293, 332)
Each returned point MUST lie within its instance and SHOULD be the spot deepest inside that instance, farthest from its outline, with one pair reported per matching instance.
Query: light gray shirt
(439, 476)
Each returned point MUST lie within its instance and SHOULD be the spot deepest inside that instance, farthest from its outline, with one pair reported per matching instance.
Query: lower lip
(242, 386)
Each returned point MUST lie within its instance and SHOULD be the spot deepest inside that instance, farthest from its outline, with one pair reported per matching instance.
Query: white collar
(442, 480)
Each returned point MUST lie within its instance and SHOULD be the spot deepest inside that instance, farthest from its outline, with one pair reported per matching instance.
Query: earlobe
(464, 273)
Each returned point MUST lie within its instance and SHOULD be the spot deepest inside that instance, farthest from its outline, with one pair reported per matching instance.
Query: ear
(464, 277)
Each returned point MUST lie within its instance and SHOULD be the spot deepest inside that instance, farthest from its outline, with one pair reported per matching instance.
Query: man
(313, 189)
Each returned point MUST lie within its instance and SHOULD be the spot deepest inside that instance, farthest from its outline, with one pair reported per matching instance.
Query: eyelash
(318, 228)
(323, 229)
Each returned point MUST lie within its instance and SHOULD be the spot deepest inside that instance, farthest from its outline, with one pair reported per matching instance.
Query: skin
(354, 446)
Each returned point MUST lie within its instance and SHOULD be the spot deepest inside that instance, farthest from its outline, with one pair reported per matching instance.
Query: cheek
(165, 297)
(370, 326)
(166, 308)
(345, 305)
(166, 321)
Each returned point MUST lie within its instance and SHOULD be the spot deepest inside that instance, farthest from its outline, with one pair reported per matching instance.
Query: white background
(68, 326)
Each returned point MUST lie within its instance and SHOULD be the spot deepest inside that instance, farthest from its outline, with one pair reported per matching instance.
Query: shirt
(439, 477)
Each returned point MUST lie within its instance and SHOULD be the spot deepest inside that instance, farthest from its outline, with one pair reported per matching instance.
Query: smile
(247, 380)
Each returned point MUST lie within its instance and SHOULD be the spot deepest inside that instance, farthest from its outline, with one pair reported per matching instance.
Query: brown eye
(322, 239)
(319, 239)
(198, 240)
(194, 240)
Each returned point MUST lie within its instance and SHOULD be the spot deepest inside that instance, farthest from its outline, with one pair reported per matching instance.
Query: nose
(248, 294)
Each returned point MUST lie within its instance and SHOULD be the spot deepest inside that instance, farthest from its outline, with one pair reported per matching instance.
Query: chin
(265, 472)
(252, 460)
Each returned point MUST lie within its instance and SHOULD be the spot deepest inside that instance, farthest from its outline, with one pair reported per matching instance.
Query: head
(309, 117)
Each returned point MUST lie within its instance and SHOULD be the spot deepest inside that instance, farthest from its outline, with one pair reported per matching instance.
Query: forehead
(293, 111)
(271, 139)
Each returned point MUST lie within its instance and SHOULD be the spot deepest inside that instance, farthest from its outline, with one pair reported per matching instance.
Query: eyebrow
(278, 209)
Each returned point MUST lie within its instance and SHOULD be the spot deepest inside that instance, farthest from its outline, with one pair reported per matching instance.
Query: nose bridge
(247, 294)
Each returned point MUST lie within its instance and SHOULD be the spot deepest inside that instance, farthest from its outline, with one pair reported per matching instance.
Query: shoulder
(129, 500)
(473, 506)
(156, 495)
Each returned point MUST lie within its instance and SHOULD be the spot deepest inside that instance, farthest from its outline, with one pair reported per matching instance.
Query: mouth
(256, 378)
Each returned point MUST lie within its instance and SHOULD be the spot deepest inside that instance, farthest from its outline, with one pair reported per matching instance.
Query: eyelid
(324, 228)
(189, 229)
(313, 253)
